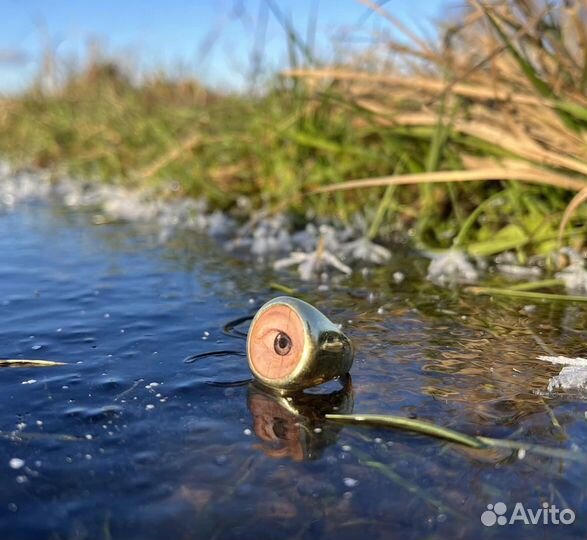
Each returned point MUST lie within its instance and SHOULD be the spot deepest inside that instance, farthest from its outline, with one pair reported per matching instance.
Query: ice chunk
(574, 276)
(312, 265)
(366, 251)
(570, 378)
(451, 267)
(21, 187)
(308, 239)
(219, 224)
(565, 360)
(573, 376)
(517, 270)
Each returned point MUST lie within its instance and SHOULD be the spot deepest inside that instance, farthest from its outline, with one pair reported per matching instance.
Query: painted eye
(276, 342)
(282, 344)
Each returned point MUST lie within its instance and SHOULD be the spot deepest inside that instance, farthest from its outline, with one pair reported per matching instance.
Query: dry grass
(514, 171)
(506, 84)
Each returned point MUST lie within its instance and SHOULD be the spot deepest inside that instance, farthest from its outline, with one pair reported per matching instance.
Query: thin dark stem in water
(129, 390)
(230, 384)
(230, 328)
(224, 352)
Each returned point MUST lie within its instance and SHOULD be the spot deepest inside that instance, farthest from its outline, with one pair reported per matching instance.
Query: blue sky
(211, 39)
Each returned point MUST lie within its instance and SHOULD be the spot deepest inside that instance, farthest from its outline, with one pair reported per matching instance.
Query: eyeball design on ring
(291, 345)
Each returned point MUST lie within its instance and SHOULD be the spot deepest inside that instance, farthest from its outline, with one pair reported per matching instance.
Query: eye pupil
(282, 344)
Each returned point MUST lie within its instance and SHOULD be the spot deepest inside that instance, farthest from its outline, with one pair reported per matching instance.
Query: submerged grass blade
(560, 453)
(22, 436)
(415, 489)
(282, 288)
(541, 284)
(411, 487)
(409, 424)
(16, 363)
(488, 291)
(451, 435)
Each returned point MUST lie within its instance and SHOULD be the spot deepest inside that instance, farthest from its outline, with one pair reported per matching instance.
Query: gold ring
(291, 345)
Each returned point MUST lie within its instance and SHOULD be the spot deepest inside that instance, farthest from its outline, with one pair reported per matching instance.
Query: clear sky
(211, 39)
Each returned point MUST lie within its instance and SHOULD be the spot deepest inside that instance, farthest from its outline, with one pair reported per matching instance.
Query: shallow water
(128, 441)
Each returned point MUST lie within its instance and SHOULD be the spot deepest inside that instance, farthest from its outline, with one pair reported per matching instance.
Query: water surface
(128, 441)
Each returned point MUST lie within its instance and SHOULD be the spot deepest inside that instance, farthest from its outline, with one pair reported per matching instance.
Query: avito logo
(546, 515)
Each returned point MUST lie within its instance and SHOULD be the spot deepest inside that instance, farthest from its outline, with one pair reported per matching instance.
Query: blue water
(128, 441)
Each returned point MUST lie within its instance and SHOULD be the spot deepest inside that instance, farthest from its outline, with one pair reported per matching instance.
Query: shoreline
(322, 251)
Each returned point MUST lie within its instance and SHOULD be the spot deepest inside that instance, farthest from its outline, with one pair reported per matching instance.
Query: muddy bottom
(127, 441)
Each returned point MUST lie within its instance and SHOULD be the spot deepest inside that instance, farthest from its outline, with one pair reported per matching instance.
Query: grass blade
(409, 424)
(451, 435)
(559, 453)
(541, 284)
(12, 363)
(488, 291)
(526, 67)
(529, 175)
(577, 201)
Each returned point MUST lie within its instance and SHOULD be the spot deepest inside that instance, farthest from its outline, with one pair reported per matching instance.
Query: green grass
(509, 110)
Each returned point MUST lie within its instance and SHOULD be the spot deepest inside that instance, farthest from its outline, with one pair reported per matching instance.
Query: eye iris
(282, 344)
